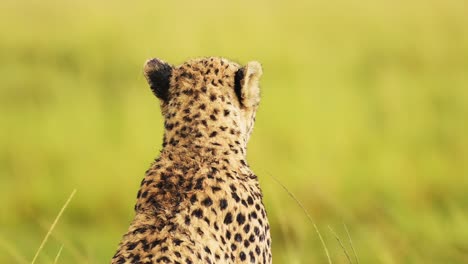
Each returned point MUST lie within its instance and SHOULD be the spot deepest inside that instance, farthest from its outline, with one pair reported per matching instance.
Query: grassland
(364, 118)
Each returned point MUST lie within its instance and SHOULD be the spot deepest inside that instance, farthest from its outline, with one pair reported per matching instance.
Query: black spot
(197, 213)
(187, 119)
(157, 242)
(187, 75)
(173, 142)
(200, 232)
(238, 237)
(223, 204)
(226, 112)
(202, 106)
(213, 134)
(163, 259)
(240, 218)
(212, 97)
(207, 250)
(235, 196)
(250, 200)
(246, 243)
(188, 92)
(193, 199)
(253, 215)
(233, 187)
(242, 256)
(252, 257)
(207, 202)
(169, 126)
(177, 242)
(228, 218)
(199, 184)
(131, 246)
(140, 230)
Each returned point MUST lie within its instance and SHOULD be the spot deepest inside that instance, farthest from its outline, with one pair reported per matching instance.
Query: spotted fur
(199, 201)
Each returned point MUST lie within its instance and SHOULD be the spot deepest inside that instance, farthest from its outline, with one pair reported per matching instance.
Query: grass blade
(308, 216)
(351, 242)
(341, 244)
(53, 226)
(58, 255)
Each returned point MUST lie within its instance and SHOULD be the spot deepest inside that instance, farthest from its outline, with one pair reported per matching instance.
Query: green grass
(363, 118)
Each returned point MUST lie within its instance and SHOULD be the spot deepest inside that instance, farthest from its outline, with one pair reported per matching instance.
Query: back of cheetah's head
(207, 101)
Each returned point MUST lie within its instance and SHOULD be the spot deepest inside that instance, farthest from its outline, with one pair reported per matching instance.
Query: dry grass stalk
(53, 226)
(341, 244)
(58, 255)
(308, 216)
(351, 243)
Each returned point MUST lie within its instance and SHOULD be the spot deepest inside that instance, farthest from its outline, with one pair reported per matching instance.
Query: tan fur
(200, 202)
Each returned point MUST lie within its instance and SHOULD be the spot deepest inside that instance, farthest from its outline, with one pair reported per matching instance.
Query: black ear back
(238, 79)
(158, 74)
(246, 84)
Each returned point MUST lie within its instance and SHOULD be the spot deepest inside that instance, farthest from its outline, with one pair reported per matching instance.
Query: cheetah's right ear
(246, 84)
(158, 74)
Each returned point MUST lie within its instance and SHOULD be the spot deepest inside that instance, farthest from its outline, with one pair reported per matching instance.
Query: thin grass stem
(308, 216)
(53, 226)
(341, 244)
(351, 243)
(58, 255)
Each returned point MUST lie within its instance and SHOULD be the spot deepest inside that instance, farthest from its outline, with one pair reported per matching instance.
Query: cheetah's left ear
(247, 84)
(158, 74)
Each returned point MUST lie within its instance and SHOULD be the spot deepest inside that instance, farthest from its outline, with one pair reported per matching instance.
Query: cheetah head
(206, 101)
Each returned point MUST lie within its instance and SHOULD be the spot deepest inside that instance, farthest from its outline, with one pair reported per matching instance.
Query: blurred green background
(364, 118)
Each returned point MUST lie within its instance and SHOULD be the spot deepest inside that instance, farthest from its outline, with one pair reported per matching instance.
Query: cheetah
(199, 202)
